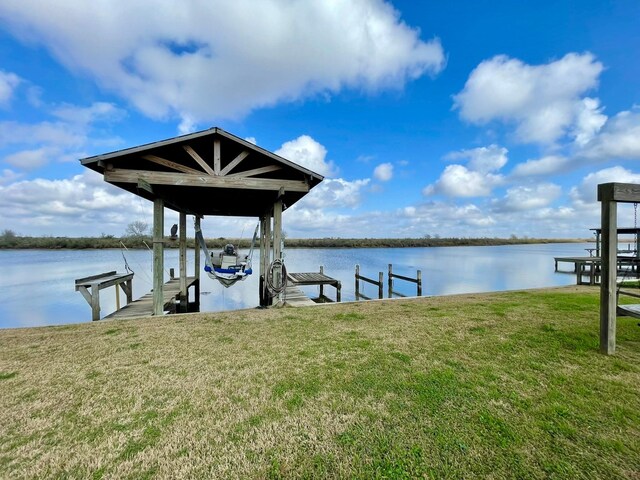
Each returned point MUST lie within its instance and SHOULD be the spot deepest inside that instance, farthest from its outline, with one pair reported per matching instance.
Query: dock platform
(316, 278)
(143, 307)
(591, 266)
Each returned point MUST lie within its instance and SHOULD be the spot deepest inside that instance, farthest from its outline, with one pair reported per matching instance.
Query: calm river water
(37, 286)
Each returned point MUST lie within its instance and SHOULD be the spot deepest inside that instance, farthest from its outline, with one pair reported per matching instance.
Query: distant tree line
(11, 240)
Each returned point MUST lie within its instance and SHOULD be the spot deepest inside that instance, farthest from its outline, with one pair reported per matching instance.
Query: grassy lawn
(507, 385)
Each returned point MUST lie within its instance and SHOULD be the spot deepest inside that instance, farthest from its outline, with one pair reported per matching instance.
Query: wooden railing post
(419, 278)
(357, 281)
(321, 286)
(390, 281)
(380, 283)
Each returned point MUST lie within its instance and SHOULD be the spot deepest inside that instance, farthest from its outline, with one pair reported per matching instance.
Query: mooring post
(321, 286)
(357, 281)
(380, 283)
(419, 282)
(390, 280)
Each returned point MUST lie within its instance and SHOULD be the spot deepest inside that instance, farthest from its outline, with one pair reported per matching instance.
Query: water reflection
(38, 285)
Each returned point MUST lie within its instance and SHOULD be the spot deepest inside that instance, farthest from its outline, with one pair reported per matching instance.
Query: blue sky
(467, 118)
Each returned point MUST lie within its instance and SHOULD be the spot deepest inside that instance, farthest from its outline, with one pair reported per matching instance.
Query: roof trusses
(207, 173)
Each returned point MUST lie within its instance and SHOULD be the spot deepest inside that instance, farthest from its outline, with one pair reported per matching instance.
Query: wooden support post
(196, 266)
(608, 300)
(265, 254)
(339, 292)
(184, 294)
(357, 281)
(128, 290)
(380, 282)
(419, 282)
(117, 297)
(321, 286)
(390, 280)
(95, 302)
(158, 256)
(277, 245)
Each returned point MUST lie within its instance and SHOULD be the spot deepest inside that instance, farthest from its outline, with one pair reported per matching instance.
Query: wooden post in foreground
(158, 256)
(608, 300)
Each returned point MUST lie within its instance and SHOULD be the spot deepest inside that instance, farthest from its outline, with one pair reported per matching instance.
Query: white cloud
(62, 140)
(586, 194)
(305, 151)
(383, 172)
(619, 138)
(219, 59)
(31, 159)
(544, 101)
(96, 112)
(528, 197)
(334, 193)
(8, 83)
(543, 166)
(459, 181)
(83, 204)
(483, 159)
(9, 176)
(589, 120)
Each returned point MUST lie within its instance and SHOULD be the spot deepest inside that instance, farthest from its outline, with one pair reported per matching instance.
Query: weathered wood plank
(234, 163)
(629, 310)
(93, 277)
(618, 192)
(189, 180)
(169, 164)
(216, 157)
(205, 166)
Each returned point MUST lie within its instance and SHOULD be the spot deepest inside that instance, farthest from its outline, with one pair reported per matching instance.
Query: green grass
(504, 385)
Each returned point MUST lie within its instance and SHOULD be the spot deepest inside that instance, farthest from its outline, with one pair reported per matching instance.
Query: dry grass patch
(500, 385)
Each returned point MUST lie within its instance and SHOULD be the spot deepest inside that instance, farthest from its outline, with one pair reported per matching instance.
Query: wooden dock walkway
(143, 307)
(295, 297)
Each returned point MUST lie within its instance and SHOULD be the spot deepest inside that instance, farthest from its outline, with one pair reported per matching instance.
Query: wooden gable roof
(211, 172)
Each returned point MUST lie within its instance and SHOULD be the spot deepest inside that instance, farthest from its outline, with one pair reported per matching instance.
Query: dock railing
(417, 281)
(362, 278)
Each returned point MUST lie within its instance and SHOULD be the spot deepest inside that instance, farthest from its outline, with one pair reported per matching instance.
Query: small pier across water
(590, 267)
